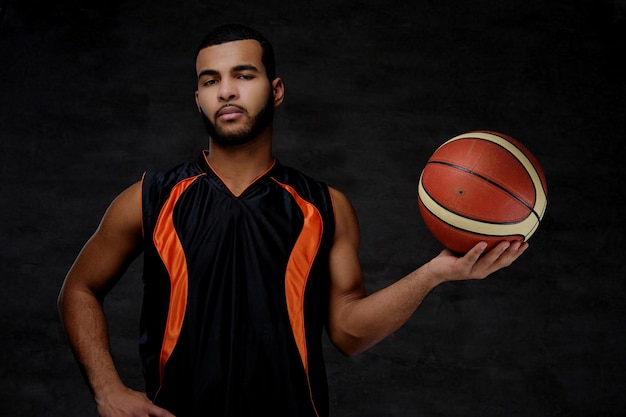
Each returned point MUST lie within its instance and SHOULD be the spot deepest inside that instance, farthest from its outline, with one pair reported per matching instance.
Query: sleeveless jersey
(235, 292)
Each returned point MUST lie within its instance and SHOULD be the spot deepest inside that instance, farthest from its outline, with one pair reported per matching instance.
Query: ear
(279, 91)
(198, 103)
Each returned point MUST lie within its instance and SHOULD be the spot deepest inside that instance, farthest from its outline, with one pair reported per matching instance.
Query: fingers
(482, 264)
(156, 411)
(501, 256)
(162, 413)
(476, 263)
(494, 254)
(474, 254)
(515, 251)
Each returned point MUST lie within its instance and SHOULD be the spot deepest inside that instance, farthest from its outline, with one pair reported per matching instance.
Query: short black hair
(231, 32)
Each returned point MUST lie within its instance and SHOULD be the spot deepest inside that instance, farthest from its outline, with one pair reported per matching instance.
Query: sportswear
(235, 292)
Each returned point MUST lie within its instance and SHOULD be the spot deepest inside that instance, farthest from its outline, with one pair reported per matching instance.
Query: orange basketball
(481, 186)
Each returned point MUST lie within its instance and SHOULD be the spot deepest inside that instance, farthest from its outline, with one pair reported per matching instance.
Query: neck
(239, 166)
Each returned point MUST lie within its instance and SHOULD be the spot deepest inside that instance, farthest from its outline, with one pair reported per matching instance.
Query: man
(246, 262)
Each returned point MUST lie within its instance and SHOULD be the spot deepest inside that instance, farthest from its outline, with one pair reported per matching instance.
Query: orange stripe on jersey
(171, 252)
(298, 268)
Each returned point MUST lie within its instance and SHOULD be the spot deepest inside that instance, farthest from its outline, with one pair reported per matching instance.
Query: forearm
(366, 321)
(85, 325)
(361, 322)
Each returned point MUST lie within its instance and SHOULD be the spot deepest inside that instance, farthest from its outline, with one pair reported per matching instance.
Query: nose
(228, 90)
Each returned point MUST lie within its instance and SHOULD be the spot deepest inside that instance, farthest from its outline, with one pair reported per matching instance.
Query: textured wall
(92, 95)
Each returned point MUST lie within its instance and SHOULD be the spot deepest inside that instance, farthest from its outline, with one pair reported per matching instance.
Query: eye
(210, 81)
(245, 77)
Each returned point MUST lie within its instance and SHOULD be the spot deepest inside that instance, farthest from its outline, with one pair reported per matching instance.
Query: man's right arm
(98, 267)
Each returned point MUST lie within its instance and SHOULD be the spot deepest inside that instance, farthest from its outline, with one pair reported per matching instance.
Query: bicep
(345, 269)
(109, 251)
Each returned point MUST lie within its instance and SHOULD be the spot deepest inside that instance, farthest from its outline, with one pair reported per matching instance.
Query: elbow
(351, 353)
(350, 345)
(73, 298)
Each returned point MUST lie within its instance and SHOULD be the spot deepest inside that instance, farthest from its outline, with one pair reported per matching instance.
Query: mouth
(229, 112)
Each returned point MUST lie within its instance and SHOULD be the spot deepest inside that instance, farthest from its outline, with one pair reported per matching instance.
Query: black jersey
(235, 292)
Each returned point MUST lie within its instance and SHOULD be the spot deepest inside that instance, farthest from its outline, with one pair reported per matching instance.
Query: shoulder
(172, 175)
(126, 200)
(157, 184)
(293, 175)
(345, 216)
(310, 188)
(341, 203)
(123, 216)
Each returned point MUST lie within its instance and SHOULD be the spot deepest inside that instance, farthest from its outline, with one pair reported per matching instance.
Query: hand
(130, 403)
(474, 264)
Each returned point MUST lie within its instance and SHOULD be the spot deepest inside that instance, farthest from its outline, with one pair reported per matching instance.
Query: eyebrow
(237, 68)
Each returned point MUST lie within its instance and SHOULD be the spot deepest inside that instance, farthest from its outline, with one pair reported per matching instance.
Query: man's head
(237, 86)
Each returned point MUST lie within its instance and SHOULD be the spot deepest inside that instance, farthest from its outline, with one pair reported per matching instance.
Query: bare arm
(357, 320)
(98, 267)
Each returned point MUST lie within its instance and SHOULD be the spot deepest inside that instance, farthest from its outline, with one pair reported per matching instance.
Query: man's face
(234, 95)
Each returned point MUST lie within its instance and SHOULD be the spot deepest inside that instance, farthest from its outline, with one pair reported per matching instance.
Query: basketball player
(246, 262)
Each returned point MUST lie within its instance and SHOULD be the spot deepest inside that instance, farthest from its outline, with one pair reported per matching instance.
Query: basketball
(481, 186)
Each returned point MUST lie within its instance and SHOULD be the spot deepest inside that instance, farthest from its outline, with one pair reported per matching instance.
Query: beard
(247, 133)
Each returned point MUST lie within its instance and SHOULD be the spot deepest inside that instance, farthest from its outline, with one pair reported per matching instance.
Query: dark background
(94, 93)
